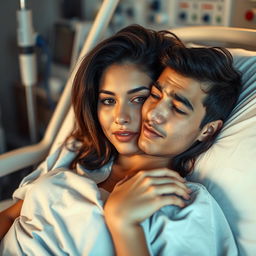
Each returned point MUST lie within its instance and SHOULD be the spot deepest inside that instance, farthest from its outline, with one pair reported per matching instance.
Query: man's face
(171, 116)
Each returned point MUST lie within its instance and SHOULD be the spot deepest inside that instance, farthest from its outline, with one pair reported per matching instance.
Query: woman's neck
(130, 164)
(125, 165)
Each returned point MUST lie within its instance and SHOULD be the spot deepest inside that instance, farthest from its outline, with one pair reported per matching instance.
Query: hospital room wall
(45, 13)
(158, 14)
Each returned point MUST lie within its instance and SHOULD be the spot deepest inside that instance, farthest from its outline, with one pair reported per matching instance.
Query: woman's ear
(209, 130)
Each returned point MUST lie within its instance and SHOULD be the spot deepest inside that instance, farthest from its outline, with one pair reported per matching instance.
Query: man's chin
(144, 146)
(149, 149)
(130, 152)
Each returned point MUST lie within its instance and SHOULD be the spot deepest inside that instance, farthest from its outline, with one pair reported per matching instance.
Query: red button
(249, 15)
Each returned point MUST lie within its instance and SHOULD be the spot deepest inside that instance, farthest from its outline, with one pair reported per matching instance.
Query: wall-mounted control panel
(176, 13)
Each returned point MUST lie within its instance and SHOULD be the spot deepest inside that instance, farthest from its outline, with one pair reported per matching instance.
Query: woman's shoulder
(60, 179)
(62, 188)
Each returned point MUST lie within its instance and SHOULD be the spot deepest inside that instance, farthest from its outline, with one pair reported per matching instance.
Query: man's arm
(8, 216)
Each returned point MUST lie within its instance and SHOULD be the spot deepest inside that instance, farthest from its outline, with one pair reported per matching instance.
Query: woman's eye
(107, 101)
(140, 99)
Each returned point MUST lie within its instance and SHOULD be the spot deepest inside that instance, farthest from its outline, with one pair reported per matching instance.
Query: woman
(105, 151)
(134, 44)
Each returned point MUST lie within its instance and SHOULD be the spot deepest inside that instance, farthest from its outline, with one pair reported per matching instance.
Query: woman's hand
(136, 198)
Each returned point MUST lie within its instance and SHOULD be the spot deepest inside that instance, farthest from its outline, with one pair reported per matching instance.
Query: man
(188, 105)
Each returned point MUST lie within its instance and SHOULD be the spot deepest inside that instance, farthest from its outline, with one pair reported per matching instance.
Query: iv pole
(27, 61)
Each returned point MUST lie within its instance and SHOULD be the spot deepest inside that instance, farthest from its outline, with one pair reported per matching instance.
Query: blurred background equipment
(68, 38)
(26, 43)
(2, 136)
(62, 26)
(176, 13)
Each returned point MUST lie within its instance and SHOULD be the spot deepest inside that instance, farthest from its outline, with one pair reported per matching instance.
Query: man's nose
(159, 113)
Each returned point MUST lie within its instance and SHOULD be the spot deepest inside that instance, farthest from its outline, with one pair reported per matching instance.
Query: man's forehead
(171, 82)
(170, 78)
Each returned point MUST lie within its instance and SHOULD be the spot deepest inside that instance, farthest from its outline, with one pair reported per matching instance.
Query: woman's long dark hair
(133, 44)
(213, 67)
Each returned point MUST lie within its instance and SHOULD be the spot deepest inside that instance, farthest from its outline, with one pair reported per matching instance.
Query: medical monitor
(68, 38)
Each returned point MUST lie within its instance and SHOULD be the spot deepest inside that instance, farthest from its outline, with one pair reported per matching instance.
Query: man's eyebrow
(141, 88)
(176, 96)
(157, 85)
(183, 100)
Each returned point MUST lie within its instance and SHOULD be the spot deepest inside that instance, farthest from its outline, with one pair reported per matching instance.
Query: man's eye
(140, 99)
(154, 96)
(178, 110)
(107, 101)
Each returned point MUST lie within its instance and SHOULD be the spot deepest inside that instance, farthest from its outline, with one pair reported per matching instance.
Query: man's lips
(125, 136)
(151, 132)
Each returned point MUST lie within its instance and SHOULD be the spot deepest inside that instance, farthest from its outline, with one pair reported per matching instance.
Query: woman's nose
(122, 116)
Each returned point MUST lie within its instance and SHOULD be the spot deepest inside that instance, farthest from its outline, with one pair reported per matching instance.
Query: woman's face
(122, 92)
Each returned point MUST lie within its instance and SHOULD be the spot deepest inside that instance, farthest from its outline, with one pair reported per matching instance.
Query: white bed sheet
(63, 214)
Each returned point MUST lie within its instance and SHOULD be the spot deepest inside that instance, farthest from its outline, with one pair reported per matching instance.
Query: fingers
(157, 173)
(164, 172)
(164, 180)
(161, 201)
(168, 189)
(157, 183)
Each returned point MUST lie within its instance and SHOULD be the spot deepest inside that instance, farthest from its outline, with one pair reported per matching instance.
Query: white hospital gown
(62, 214)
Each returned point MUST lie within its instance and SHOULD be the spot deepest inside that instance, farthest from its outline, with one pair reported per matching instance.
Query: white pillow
(228, 168)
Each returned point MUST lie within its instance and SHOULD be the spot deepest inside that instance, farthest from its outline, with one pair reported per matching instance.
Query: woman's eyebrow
(141, 88)
(106, 92)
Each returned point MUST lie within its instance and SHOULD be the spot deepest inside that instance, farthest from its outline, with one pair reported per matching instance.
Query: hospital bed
(228, 169)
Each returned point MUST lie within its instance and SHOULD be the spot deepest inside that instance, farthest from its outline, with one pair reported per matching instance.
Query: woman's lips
(124, 136)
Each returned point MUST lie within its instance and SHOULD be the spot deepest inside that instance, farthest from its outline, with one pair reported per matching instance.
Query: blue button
(182, 15)
(206, 18)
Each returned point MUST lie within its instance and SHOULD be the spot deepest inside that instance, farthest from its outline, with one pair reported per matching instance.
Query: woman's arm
(137, 198)
(128, 240)
(8, 216)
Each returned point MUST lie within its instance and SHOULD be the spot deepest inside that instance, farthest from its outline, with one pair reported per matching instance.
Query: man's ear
(209, 130)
